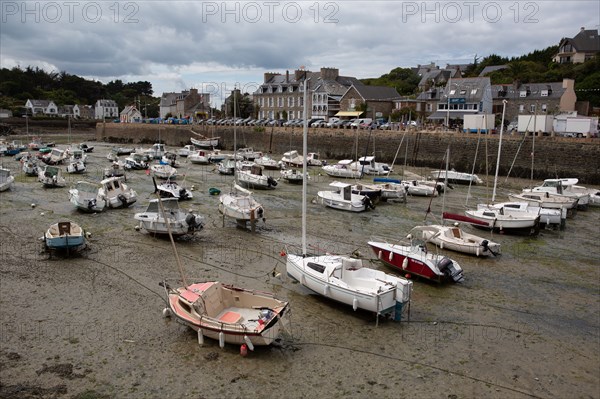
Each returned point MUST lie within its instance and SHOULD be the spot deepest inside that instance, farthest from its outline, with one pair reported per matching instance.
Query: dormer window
(523, 93)
(279, 89)
(473, 91)
(463, 92)
(452, 92)
(544, 93)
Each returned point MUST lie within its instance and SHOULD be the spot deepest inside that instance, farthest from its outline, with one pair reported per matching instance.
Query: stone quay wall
(553, 156)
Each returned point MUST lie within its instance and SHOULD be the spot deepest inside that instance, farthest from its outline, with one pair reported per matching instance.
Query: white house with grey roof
(106, 109)
(42, 107)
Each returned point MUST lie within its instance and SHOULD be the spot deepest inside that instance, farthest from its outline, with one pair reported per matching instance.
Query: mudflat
(522, 324)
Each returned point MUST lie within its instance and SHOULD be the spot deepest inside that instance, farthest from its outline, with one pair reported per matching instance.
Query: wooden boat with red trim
(226, 313)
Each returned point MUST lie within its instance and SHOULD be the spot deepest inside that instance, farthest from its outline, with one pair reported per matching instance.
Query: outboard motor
(271, 181)
(182, 193)
(451, 270)
(368, 203)
(194, 223)
(123, 199)
(91, 204)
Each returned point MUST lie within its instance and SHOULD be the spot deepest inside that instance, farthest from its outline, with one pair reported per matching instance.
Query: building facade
(106, 109)
(188, 103)
(584, 46)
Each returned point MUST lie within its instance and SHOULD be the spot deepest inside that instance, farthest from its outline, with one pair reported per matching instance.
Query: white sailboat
(239, 203)
(343, 278)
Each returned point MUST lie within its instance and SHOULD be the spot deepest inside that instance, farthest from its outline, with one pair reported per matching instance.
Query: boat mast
(445, 183)
(234, 139)
(304, 156)
(499, 149)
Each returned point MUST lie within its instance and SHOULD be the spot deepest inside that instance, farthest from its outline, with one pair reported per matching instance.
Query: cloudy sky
(212, 45)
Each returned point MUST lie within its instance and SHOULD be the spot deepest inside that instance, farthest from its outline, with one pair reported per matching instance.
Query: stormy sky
(212, 45)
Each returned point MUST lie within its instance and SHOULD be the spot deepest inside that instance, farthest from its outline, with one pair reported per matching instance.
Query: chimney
(269, 76)
(287, 76)
(329, 73)
(582, 28)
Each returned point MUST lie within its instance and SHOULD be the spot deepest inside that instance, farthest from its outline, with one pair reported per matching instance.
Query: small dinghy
(177, 222)
(64, 236)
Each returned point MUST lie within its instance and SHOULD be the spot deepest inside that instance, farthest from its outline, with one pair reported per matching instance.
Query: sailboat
(239, 203)
(453, 237)
(223, 312)
(345, 278)
(491, 217)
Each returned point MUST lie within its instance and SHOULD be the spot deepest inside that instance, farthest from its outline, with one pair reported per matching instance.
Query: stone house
(188, 103)
(584, 46)
(65, 111)
(282, 95)
(83, 111)
(379, 100)
(534, 98)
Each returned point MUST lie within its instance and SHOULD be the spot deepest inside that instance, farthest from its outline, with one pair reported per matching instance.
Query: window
(463, 92)
(532, 108)
(316, 267)
(523, 93)
(544, 93)
(544, 107)
(521, 108)
(452, 92)
(474, 91)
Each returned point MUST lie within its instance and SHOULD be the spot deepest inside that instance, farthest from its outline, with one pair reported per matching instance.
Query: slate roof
(377, 93)
(586, 40)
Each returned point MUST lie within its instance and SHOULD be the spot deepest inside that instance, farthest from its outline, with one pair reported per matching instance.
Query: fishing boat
(548, 217)
(205, 142)
(170, 189)
(156, 151)
(116, 193)
(116, 169)
(367, 165)
(199, 157)
(216, 156)
(136, 161)
(546, 200)
(179, 223)
(292, 158)
(453, 176)
(268, 163)
(345, 168)
(85, 196)
(293, 175)
(55, 157)
(413, 257)
(163, 171)
(6, 179)
(250, 175)
(342, 198)
(248, 154)
(186, 150)
(64, 236)
(314, 159)
(559, 187)
(170, 158)
(343, 278)
(456, 239)
(86, 148)
(75, 167)
(240, 205)
(29, 164)
(570, 186)
(229, 314)
(226, 166)
(51, 176)
(415, 188)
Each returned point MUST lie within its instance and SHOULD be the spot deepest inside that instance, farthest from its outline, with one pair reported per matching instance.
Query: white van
(356, 124)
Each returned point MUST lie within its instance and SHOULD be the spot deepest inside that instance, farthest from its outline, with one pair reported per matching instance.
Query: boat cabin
(345, 190)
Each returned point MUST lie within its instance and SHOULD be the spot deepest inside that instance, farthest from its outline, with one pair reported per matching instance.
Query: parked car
(331, 121)
(320, 123)
(346, 123)
(357, 122)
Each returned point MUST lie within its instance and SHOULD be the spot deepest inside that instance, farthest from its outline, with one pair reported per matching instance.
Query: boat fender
(248, 343)
(244, 350)
(442, 244)
(200, 337)
(326, 290)
(166, 312)
(379, 254)
(221, 339)
(404, 263)
(355, 303)
(391, 256)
